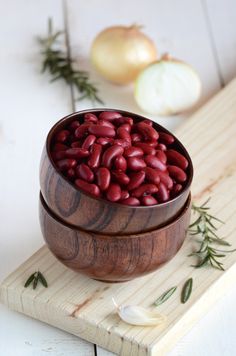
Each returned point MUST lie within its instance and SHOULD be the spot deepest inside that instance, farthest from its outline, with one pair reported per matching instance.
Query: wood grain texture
(113, 258)
(83, 306)
(99, 215)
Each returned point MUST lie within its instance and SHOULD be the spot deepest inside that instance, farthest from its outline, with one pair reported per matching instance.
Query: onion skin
(167, 87)
(119, 53)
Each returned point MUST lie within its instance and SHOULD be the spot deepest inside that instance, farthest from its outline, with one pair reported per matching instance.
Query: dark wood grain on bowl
(113, 258)
(98, 215)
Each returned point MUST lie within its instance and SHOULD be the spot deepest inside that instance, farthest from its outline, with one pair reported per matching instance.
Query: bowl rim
(75, 114)
(184, 210)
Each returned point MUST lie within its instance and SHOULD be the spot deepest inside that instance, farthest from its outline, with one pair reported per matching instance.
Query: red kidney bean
(135, 163)
(126, 127)
(162, 194)
(175, 190)
(121, 154)
(161, 147)
(89, 141)
(165, 138)
(152, 143)
(120, 177)
(109, 115)
(84, 172)
(76, 153)
(152, 175)
(70, 173)
(123, 133)
(149, 200)
(105, 141)
(133, 152)
(177, 159)
(124, 120)
(106, 123)
(58, 155)
(147, 149)
(161, 156)
(130, 201)
(124, 194)
(103, 178)
(148, 122)
(82, 130)
(110, 154)
(121, 142)
(154, 162)
(165, 179)
(74, 125)
(101, 131)
(147, 131)
(59, 147)
(88, 187)
(136, 179)
(113, 192)
(144, 189)
(65, 164)
(136, 137)
(62, 136)
(76, 144)
(95, 155)
(177, 173)
(120, 163)
(89, 117)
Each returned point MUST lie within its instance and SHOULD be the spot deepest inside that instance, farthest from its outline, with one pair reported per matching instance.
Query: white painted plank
(29, 107)
(177, 27)
(221, 17)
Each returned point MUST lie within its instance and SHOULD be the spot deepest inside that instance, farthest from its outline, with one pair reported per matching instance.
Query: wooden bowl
(99, 215)
(113, 258)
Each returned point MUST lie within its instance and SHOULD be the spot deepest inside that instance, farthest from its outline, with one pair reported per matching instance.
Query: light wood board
(83, 306)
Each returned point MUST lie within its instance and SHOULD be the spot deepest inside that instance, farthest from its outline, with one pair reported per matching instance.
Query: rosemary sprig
(187, 290)
(34, 278)
(60, 66)
(205, 227)
(166, 295)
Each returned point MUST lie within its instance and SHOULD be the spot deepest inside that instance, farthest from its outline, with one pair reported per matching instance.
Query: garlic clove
(137, 315)
(167, 87)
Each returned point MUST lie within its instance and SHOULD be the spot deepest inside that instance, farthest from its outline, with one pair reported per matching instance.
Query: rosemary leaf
(29, 280)
(59, 64)
(187, 290)
(35, 281)
(42, 280)
(166, 295)
(204, 227)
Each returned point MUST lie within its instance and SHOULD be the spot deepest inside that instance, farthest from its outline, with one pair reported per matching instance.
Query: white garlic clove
(167, 87)
(137, 315)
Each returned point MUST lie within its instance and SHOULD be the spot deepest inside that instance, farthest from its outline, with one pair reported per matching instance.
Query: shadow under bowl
(113, 258)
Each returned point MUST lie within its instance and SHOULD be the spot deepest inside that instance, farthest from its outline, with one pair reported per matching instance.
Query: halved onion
(167, 87)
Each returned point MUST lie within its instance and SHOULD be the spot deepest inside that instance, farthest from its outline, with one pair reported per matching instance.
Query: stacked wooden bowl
(108, 241)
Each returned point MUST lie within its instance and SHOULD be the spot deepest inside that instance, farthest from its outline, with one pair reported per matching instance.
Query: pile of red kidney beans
(113, 157)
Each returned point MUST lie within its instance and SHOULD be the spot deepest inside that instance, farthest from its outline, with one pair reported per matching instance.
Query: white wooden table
(201, 32)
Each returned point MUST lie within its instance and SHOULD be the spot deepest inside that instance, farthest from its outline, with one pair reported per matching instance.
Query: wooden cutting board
(83, 306)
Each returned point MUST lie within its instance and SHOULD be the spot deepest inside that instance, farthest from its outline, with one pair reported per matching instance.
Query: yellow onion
(119, 53)
(167, 87)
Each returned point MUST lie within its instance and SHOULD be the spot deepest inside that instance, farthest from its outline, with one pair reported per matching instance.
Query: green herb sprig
(34, 278)
(61, 66)
(205, 227)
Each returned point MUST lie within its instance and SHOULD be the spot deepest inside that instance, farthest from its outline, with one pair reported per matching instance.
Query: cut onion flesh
(167, 87)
